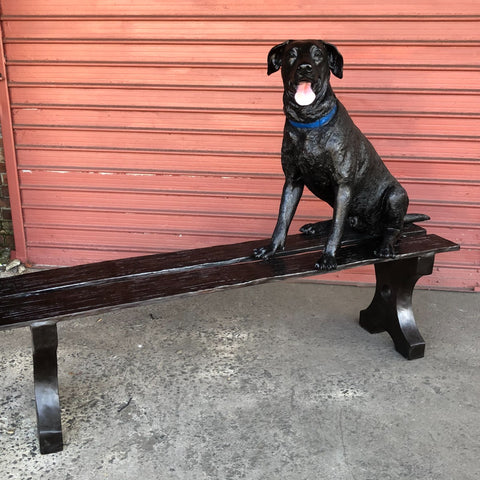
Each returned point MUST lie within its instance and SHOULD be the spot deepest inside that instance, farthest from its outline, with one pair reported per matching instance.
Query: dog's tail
(415, 217)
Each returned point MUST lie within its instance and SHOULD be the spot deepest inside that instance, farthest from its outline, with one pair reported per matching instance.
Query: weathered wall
(152, 126)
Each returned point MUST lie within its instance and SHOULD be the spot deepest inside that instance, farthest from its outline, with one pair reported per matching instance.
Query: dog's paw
(385, 251)
(309, 229)
(326, 263)
(319, 228)
(386, 248)
(263, 253)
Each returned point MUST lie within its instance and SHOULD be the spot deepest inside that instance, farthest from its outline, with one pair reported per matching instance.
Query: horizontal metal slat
(238, 142)
(152, 202)
(116, 219)
(175, 119)
(187, 162)
(257, 28)
(452, 53)
(142, 242)
(373, 122)
(246, 7)
(109, 181)
(261, 204)
(226, 75)
(408, 100)
(251, 165)
(250, 223)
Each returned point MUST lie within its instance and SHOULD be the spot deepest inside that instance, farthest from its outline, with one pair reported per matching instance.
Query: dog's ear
(275, 55)
(335, 60)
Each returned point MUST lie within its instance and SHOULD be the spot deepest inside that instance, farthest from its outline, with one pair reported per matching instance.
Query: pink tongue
(305, 95)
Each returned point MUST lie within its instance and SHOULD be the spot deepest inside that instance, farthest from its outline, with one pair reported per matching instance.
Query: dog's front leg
(328, 260)
(292, 192)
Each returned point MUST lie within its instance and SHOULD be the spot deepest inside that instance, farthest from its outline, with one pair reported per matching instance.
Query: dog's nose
(305, 68)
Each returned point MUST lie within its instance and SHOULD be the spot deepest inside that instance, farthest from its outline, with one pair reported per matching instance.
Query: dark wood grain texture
(71, 291)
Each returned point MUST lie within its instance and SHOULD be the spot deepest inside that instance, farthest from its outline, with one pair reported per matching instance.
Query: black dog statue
(324, 150)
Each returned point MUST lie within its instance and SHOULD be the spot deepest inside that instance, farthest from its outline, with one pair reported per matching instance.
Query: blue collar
(318, 123)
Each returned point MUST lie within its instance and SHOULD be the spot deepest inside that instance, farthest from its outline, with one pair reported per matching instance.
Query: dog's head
(306, 67)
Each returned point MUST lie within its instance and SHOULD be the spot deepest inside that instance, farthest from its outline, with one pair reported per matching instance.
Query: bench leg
(45, 342)
(391, 307)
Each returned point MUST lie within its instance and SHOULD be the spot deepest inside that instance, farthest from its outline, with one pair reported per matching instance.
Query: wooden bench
(39, 300)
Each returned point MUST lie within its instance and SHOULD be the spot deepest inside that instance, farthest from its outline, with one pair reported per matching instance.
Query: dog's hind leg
(395, 208)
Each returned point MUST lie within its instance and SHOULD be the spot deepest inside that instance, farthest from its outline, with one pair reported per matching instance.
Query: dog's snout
(305, 68)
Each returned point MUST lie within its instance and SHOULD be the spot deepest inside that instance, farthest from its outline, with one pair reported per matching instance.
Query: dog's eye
(292, 55)
(317, 55)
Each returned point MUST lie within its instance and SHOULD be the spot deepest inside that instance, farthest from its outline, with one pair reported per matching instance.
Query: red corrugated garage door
(152, 126)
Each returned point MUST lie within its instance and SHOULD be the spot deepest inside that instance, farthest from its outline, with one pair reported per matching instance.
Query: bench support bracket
(45, 376)
(391, 307)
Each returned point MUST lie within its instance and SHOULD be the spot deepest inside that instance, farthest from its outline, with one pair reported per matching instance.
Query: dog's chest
(308, 152)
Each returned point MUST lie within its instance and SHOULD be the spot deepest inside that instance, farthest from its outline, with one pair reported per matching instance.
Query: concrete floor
(272, 382)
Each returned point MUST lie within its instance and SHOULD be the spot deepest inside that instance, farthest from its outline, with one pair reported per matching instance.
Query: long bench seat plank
(18, 309)
(173, 260)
